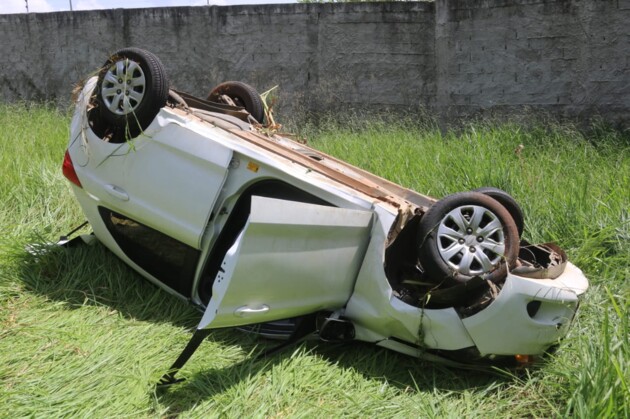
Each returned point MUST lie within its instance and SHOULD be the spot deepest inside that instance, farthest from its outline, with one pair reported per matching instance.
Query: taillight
(68, 170)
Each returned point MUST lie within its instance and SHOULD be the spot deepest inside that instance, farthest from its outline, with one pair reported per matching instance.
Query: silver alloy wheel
(470, 240)
(124, 86)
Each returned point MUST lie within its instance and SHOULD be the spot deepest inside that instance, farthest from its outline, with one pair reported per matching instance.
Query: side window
(165, 258)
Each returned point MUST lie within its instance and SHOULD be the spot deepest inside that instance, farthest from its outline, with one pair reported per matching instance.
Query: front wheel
(467, 235)
(240, 94)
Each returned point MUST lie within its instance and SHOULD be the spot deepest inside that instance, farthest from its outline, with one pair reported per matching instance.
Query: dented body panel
(307, 256)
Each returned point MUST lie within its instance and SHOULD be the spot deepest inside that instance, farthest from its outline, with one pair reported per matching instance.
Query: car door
(154, 195)
(168, 179)
(291, 259)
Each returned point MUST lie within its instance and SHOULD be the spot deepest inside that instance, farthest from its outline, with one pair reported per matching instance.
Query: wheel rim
(124, 86)
(471, 240)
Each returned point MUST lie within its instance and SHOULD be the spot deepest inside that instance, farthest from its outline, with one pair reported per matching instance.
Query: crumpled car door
(291, 259)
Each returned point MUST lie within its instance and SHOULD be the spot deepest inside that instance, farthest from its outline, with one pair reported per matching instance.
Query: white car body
(183, 177)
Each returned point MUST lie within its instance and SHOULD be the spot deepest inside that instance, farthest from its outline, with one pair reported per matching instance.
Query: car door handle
(117, 192)
(246, 311)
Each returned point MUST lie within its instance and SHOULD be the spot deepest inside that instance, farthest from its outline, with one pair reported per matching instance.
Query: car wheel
(464, 236)
(242, 95)
(132, 87)
(508, 202)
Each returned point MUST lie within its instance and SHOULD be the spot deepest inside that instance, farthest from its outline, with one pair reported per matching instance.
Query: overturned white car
(258, 229)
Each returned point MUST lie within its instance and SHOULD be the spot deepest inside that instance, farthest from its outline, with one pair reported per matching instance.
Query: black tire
(132, 87)
(242, 95)
(508, 202)
(450, 250)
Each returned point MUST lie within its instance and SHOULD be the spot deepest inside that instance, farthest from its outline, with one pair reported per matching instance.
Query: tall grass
(82, 335)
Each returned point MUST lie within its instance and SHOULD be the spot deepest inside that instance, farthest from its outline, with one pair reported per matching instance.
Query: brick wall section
(454, 57)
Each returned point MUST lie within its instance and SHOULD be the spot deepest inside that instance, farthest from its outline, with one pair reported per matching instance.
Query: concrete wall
(453, 57)
(569, 57)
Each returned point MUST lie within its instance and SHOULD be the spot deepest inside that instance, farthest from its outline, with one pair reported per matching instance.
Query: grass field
(83, 335)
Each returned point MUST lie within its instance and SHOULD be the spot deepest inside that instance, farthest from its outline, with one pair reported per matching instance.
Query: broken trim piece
(541, 261)
(191, 347)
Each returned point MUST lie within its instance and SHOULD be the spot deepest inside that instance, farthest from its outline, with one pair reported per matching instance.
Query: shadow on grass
(92, 275)
(408, 375)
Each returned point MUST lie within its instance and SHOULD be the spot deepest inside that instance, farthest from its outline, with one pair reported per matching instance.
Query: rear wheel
(132, 87)
(467, 235)
(240, 94)
(508, 202)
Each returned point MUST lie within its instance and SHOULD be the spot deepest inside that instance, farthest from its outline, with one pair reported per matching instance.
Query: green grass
(83, 335)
